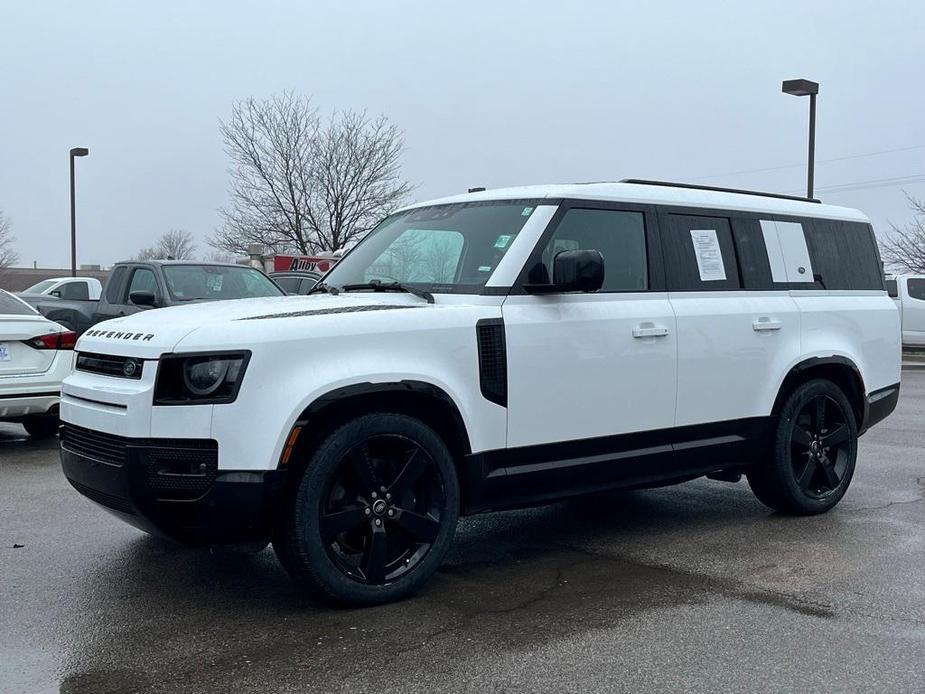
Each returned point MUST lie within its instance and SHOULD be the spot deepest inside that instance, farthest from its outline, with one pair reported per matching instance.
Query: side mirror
(578, 271)
(55, 292)
(143, 297)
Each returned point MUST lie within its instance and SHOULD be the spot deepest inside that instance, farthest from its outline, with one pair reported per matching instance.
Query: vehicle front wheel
(41, 426)
(374, 512)
(814, 455)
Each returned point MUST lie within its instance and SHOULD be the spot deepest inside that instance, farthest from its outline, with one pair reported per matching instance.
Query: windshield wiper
(323, 287)
(379, 286)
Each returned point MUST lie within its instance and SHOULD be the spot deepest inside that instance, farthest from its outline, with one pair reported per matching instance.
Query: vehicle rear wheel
(815, 451)
(374, 513)
(41, 426)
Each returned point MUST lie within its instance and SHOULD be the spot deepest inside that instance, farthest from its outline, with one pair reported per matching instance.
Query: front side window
(619, 236)
(75, 291)
(916, 288)
(444, 248)
(217, 282)
(143, 280)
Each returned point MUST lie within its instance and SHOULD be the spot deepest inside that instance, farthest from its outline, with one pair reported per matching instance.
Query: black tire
(814, 455)
(41, 426)
(363, 546)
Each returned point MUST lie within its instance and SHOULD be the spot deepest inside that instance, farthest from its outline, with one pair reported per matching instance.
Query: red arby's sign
(302, 263)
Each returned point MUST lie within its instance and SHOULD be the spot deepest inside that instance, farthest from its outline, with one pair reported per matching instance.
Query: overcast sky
(487, 93)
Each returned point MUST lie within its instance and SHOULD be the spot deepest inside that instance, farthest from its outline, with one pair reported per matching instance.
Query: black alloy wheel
(382, 509)
(811, 463)
(820, 446)
(373, 511)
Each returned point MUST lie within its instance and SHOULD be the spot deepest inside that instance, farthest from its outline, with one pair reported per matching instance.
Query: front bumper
(172, 487)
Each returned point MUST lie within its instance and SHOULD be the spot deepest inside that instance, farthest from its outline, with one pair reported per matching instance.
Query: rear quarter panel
(862, 326)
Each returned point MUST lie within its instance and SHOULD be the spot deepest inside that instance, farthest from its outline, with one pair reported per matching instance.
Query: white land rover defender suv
(494, 350)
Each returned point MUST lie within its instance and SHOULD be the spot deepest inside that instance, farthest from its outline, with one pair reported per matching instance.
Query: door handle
(649, 330)
(765, 323)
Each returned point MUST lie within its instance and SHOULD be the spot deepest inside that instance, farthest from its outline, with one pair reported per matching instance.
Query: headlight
(199, 379)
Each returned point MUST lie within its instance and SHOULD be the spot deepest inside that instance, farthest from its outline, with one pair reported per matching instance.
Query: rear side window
(916, 288)
(11, 306)
(76, 291)
(287, 284)
(752, 254)
(699, 253)
(114, 285)
(844, 254)
(891, 288)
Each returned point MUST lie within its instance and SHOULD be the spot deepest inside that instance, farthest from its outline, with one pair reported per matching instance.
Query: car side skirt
(530, 475)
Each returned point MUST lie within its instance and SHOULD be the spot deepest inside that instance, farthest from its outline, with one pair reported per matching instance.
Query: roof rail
(691, 186)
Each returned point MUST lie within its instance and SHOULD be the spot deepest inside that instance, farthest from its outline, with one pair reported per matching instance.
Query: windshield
(40, 287)
(217, 282)
(445, 248)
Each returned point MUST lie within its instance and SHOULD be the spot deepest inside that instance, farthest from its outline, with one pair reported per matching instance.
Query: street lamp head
(80, 152)
(800, 87)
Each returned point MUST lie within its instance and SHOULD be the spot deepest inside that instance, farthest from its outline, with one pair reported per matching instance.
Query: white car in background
(35, 356)
(908, 292)
(72, 288)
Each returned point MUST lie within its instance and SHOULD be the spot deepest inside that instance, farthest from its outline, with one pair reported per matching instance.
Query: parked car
(74, 288)
(296, 282)
(546, 341)
(908, 292)
(35, 356)
(137, 286)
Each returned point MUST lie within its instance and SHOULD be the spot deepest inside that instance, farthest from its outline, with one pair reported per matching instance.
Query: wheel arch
(424, 401)
(840, 370)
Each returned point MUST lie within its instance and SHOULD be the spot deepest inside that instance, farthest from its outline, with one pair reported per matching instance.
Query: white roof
(659, 195)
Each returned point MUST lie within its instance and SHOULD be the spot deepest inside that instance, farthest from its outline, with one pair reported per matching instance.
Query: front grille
(107, 448)
(116, 503)
(109, 365)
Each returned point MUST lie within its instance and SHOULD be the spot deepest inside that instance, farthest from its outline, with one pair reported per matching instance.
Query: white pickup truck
(908, 292)
(73, 288)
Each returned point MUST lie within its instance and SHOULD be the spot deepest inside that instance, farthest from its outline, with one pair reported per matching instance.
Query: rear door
(738, 332)
(18, 324)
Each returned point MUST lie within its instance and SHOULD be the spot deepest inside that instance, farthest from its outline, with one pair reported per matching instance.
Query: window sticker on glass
(527, 212)
(503, 240)
(5, 353)
(709, 255)
(484, 268)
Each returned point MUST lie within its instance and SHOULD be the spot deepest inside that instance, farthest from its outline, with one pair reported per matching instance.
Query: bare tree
(7, 255)
(904, 248)
(302, 184)
(176, 244)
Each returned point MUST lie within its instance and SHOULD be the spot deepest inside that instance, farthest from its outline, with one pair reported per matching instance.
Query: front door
(585, 369)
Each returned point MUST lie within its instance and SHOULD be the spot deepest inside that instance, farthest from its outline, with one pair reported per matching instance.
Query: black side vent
(492, 360)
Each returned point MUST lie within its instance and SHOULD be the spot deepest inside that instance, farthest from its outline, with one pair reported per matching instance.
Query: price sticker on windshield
(5, 353)
(503, 240)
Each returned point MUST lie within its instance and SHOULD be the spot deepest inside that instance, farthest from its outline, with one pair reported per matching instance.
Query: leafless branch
(175, 244)
(300, 184)
(8, 255)
(904, 248)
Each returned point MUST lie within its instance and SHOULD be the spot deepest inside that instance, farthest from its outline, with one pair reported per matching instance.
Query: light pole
(810, 89)
(75, 152)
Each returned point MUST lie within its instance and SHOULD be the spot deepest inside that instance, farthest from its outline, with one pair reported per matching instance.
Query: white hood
(149, 334)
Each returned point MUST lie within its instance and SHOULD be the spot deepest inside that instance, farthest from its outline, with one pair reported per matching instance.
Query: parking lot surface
(689, 588)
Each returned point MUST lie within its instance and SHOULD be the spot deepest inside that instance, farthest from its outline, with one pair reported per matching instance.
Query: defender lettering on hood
(120, 335)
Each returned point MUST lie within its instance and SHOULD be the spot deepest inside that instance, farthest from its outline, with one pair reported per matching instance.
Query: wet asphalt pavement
(689, 588)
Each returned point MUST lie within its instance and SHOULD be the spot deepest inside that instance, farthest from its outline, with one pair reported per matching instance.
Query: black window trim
(654, 265)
